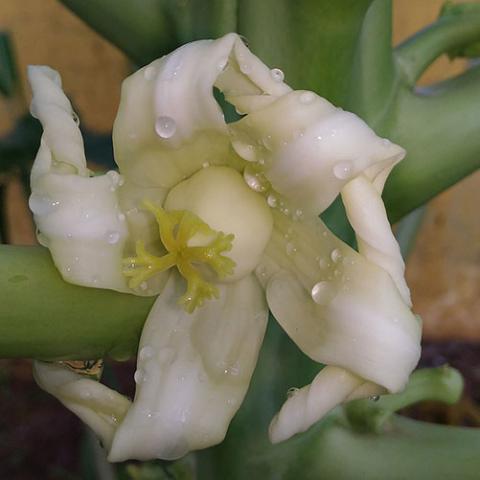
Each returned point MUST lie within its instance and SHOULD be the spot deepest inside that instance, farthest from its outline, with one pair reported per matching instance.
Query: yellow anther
(176, 228)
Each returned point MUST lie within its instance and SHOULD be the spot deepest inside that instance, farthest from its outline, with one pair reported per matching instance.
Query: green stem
(443, 384)
(373, 77)
(439, 129)
(418, 52)
(44, 317)
(142, 32)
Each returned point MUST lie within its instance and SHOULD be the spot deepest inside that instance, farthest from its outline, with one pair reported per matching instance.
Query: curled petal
(341, 309)
(310, 149)
(193, 371)
(368, 217)
(101, 408)
(78, 216)
(169, 124)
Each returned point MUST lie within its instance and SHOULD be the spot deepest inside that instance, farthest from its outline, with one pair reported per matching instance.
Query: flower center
(176, 228)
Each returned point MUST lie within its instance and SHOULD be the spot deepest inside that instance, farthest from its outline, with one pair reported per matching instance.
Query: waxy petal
(193, 371)
(101, 408)
(310, 149)
(78, 216)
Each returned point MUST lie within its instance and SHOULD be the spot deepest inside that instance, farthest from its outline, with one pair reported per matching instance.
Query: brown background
(443, 271)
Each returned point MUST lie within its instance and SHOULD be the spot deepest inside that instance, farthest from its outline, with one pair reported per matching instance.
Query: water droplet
(245, 150)
(298, 214)
(322, 293)
(76, 119)
(165, 127)
(272, 200)
(386, 142)
(42, 204)
(291, 249)
(342, 170)
(375, 398)
(139, 376)
(254, 180)
(307, 98)
(205, 164)
(245, 68)
(116, 179)
(291, 392)
(121, 217)
(261, 271)
(323, 264)
(146, 352)
(149, 73)
(166, 355)
(112, 237)
(68, 268)
(336, 255)
(277, 74)
(95, 279)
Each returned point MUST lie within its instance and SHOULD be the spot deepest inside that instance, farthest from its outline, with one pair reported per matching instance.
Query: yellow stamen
(176, 228)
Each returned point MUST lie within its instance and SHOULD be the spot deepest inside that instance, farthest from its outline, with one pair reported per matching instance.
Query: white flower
(209, 216)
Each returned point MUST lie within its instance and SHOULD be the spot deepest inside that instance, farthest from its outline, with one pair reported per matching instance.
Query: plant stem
(44, 317)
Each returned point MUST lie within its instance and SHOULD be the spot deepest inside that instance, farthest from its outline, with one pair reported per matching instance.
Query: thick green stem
(44, 317)
(439, 128)
(373, 78)
(142, 32)
(443, 384)
(419, 51)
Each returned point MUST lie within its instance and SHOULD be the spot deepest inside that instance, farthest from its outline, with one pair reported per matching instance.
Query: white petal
(169, 123)
(193, 371)
(307, 405)
(368, 217)
(340, 308)
(78, 216)
(311, 149)
(101, 408)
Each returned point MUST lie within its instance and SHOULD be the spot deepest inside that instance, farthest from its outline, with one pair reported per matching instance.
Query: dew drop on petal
(291, 392)
(322, 292)
(146, 352)
(42, 204)
(245, 150)
(254, 180)
(121, 217)
(139, 376)
(272, 200)
(143, 286)
(205, 164)
(336, 255)
(112, 237)
(342, 170)
(323, 264)
(165, 127)
(307, 98)
(76, 119)
(277, 74)
(245, 68)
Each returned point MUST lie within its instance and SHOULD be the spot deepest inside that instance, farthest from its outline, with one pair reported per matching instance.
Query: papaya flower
(220, 222)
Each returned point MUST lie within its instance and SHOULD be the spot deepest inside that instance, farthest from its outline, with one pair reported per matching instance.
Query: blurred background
(442, 270)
